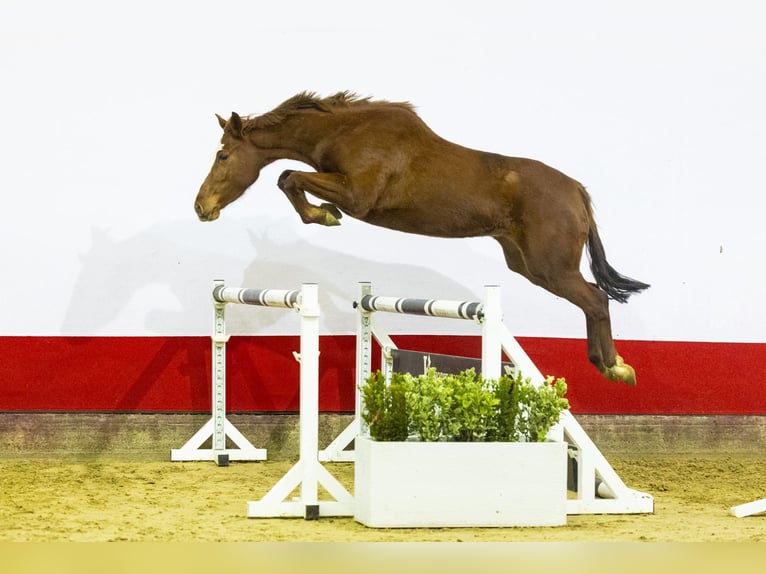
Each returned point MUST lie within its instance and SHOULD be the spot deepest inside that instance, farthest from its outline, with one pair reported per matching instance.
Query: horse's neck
(287, 140)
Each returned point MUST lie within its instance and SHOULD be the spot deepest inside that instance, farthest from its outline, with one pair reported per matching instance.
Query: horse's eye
(222, 156)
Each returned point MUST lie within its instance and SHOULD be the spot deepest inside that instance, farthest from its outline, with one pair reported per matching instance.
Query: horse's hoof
(621, 372)
(321, 215)
(332, 209)
(330, 220)
(330, 215)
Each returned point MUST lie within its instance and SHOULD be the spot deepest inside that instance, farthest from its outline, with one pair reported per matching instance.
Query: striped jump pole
(427, 307)
(495, 337)
(488, 314)
(260, 297)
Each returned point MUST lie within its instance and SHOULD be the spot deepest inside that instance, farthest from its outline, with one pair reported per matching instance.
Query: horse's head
(236, 167)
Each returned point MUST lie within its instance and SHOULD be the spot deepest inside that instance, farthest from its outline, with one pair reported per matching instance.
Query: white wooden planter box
(442, 484)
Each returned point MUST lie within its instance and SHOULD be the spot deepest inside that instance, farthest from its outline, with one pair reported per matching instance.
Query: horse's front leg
(330, 186)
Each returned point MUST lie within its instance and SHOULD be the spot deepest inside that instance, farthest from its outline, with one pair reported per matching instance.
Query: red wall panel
(173, 374)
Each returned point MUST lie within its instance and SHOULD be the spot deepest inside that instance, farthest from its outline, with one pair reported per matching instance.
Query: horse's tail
(617, 286)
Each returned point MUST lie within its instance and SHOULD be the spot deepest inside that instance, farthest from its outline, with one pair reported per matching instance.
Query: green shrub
(428, 405)
(385, 407)
(473, 407)
(505, 427)
(462, 407)
(530, 410)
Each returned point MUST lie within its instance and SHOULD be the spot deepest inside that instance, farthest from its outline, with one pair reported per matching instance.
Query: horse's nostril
(198, 209)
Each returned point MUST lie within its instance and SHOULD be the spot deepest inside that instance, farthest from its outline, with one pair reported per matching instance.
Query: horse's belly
(438, 222)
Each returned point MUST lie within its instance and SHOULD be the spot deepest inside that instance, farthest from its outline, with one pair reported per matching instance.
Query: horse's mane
(309, 100)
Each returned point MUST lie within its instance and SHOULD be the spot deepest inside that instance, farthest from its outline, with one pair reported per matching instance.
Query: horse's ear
(221, 122)
(235, 125)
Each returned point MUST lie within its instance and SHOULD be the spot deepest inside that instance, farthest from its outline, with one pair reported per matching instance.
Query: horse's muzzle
(203, 215)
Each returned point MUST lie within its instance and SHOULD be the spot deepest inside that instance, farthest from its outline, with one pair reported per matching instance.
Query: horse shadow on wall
(338, 276)
(115, 275)
(118, 276)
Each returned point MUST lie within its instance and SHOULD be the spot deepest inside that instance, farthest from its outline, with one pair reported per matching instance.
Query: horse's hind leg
(566, 281)
(295, 183)
(612, 366)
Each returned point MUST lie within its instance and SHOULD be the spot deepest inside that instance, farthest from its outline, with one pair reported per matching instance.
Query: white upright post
(219, 338)
(307, 473)
(309, 394)
(492, 323)
(363, 342)
(363, 353)
(337, 450)
(218, 427)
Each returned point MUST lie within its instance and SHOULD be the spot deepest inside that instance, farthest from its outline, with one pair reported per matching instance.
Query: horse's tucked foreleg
(323, 185)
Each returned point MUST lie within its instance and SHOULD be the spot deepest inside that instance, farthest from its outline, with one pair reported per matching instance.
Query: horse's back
(414, 180)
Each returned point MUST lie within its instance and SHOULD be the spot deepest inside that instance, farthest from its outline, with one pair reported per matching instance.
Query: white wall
(107, 130)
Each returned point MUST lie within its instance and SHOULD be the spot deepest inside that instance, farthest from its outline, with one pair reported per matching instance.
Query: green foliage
(506, 391)
(473, 406)
(545, 404)
(529, 411)
(385, 407)
(462, 407)
(428, 404)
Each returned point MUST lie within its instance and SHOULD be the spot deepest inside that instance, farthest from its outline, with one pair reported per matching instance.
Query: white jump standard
(308, 472)
(218, 428)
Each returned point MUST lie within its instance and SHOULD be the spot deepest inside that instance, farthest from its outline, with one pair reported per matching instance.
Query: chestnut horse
(378, 162)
